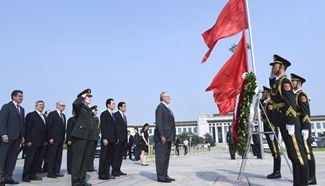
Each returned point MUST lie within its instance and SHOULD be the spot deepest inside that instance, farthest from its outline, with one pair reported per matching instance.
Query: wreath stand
(250, 133)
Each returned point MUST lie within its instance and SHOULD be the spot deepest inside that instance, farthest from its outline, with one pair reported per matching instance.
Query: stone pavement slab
(206, 169)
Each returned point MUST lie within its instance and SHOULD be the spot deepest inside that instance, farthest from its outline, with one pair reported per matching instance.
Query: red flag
(227, 82)
(230, 22)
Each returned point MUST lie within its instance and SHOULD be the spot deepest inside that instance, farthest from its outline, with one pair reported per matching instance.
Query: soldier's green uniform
(286, 118)
(94, 141)
(82, 135)
(303, 112)
(271, 140)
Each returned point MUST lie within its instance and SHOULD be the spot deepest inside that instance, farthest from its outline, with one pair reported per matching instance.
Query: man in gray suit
(164, 135)
(12, 118)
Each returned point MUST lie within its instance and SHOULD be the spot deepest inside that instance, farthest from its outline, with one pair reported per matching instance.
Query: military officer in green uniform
(287, 119)
(82, 135)
(303, 112)
(96, 136)
(271, 140)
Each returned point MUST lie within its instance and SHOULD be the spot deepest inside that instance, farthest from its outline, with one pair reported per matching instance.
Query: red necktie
(18, 109)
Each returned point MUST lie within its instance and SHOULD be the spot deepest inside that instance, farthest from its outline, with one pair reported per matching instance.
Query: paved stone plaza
(211, 168)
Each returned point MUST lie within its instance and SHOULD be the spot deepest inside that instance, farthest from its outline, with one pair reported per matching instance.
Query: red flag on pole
(227, 82)
(230, 22)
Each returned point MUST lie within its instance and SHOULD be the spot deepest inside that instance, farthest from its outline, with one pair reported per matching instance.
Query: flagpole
(254, 70)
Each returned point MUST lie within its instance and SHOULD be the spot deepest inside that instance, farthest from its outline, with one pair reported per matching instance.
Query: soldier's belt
(279, 105)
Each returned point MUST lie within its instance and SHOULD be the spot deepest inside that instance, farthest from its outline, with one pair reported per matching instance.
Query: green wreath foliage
(249, 91)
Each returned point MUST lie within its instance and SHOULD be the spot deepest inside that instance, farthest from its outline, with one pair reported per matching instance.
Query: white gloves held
(272, 76)
(305, 134)
(271, 137)
(290, 129)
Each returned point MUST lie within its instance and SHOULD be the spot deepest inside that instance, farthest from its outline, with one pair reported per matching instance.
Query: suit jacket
(107, 127)
(84, 120)
(165, 124)
(70, 125)
(56, 127)
(121, 127)
(177, 142)
(130, 141)
(230, 138)
(137, 139)
(35, 130)
(12, 124)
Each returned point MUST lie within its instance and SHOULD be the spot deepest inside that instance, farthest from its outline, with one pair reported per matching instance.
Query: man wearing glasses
(12, 124)
(56, 131)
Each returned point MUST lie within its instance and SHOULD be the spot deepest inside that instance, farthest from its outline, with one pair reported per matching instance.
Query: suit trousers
(93, 146)
(80, 160)
(55, 158)
(44, 158)
(232, 151)
(162, 154)
(69, 157)
(128, 151)
(137, 152)
(8, 157)
(118, 157)
(32, 162)
(105, 160)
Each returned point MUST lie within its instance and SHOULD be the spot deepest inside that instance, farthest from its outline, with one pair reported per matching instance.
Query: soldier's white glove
(290, 129)
(305, 133)
(272, 76)
(271, 137)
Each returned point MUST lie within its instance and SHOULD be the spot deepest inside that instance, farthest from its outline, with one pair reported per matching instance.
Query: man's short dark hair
(136, 128)
(109, 101)
(120, 104)
(39, 101)
(14, 93)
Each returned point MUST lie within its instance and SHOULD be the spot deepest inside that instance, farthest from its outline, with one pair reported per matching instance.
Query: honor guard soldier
(82, 134)
(96, 136)
(303, 112)
(286, 118)
(271, 141)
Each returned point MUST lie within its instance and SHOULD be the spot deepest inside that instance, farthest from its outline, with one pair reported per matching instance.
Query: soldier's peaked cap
(295, 77)
(93, 108)
(265, 89)
(280, 60)
(86, 92)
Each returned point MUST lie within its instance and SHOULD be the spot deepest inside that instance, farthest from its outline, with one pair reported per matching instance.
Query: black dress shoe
(274, 175)
(165, 181)
(59, 175)
(11, 181)
(24, 180)
(91, 170)
(115, 174)
(312, 181)
(51, 176)
(86, 184)
(69, 172)
(35, 178)
(104, 178)
(111, 177)
(171, 179)
(122, 173)
(2, 184)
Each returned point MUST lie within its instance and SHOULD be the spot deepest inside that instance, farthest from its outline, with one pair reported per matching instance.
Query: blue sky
(133, 50)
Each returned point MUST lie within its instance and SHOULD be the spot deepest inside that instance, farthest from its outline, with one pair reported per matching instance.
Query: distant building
(217, 126)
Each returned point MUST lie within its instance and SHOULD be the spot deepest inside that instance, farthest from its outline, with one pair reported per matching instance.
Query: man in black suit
(137, 147)
(177, 145)
(56, 131)
(121, 131)
(70, 125)
(231, 143)
(44, 156)
(35, 135)
(12, 124)
(129, 145)
(108, 140)
(164, 135)
(256, 141)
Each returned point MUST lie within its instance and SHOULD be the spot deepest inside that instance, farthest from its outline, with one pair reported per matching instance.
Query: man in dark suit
(35, 135)
(44, 156)
(56, 131)
(137, 147)
(128, 146)
(70, 125)
(256, 141)
(231, 143)
(164, 134)
(82, 134)
(121, 131)
(12, 124)
(177, 145)
(108, 140)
